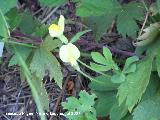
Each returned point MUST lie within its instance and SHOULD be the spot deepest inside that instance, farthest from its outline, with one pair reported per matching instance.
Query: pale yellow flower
(57, 30)
(70, 53)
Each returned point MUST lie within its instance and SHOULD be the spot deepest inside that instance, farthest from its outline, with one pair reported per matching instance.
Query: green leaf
(119, 77)
(126, 20)
(107, 86)
(105, 102)
(27, 24)
(4, 31)
(158, 5)
(24, 52)
(6, 5)
(118, 112)
(84, 105)
(94, 8)
(105, 62)
(52, 3)
(108, 55)
(148, 109)
(44, 60)
(152, 88)
(135, 84)
(100, 24)
(14, 18)
(98, 67)
(130, 65)
(38, 91)
(97, 57)
(50, 44)
(78, 35)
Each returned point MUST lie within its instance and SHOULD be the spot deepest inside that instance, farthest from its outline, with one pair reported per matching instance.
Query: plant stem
(89, 77)
(22, 44)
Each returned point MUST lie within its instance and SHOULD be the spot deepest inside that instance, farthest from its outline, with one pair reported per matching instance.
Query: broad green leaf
(38, 91)
(84, 105)
(126, 20)
(24, 52)
(152, 88)
(78, 35)
(50, 44)
(1, 48)
(106, 86)
(6, 5)
(27, 24)
(135, 84)
(118, 112)
(4, 31)
(52, 3)
(118, 77)
(148, 109)
(105, 102)
(100, 24)
(41, 30)
(44, 60)
(14, 18)
(130, 65)
(94, 8)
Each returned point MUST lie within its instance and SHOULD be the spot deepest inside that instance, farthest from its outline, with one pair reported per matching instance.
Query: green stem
(22, 44)
(63, 39)
(89, 77)
(92, 68)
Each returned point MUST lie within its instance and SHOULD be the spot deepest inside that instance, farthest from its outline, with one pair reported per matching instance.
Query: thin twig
(49, 15)
(144, 23)
(60, 96)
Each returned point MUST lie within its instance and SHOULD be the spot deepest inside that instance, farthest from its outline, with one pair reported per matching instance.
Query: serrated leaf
(50, 44)
(23, 52)
(44, 60)
(135, 84)
(94, 8)
(78, 35)
(52, 3)
(105, 62)
(126, 20)
(6, 5)
(84, 105)
(106, 86)
(100, 24)
(130, 65)
(148, 109)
